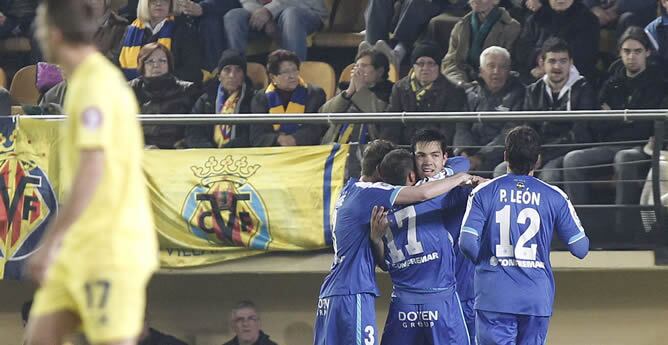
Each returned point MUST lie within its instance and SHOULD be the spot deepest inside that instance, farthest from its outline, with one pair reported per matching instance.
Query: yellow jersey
(116, 229)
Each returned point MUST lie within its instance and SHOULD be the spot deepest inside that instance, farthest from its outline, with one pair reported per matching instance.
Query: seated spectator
(53, 100)
(620, 14)
(569, 20)
(209, 15)
(496, 90)
(16, 17)
(485, 26)
(368, 92)
(230, 93)
(5, 102)
(562, 88)
(287, 93)
(413, 15)
(657, 31)
(158, 91)
(290, 21)
(425, 89)
(245, 323)
(154, 24)
(633, 84)
(109, 35)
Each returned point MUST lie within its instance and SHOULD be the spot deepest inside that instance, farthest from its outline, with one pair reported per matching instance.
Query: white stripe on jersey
(470, 201)
(380, 185)
(571, 209)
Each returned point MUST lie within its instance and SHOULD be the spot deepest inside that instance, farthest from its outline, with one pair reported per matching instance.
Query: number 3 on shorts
(369, 337)
(97, 293)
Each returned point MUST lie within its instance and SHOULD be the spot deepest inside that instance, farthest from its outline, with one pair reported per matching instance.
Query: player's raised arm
(429, 190)
(472, 226)
(379, 226)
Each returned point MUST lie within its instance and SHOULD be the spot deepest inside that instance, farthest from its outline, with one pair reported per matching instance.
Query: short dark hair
(428, 135)
(522, 149)
(74, 18)
(277, 56)
(555, 45)
(245, 304)
(374, 152)
(25, 310)
(378, 60)
(147, 50)
(396, 166)
(635, 33)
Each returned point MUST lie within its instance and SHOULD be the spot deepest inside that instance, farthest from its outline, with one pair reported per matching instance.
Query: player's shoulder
(371, 186)
(488, 185)
(553, 191)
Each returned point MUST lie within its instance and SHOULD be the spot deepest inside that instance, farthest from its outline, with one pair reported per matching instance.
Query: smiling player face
(429, 158)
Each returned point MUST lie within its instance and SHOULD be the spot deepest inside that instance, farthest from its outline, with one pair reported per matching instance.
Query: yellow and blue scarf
(418, 89)
(346, 132)
(297, 105)
(223, 134)
(134, 40)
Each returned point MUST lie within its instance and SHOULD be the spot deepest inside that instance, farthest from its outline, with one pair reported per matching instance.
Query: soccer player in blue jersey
(419, 255)
(346, 306)
(507, 230)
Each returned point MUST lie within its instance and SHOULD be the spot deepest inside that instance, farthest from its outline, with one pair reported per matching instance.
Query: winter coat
(262, 340)
(577, 26)
(307, 134)
(201, 136)
(442, 97)
(164, 95)
(109, 37)
(455, 67)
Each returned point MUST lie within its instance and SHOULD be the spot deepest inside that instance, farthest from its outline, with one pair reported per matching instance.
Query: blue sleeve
(383, 195)
(472, 227)
(456, 197)
(457, 164)
(570, 230)
(469, 244)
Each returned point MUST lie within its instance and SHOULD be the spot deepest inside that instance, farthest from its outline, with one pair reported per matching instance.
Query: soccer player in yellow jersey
(100, 250)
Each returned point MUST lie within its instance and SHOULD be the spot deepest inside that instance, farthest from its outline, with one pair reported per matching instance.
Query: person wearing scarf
(425, 89)
(287, 93)
(230, 93)
(485, 26)
(155, 24)
(158, 91)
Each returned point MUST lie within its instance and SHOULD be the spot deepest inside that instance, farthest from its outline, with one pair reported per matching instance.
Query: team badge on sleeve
(92, 118)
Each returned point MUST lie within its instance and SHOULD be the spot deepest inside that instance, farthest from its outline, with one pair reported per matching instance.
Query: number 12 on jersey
(507, 250)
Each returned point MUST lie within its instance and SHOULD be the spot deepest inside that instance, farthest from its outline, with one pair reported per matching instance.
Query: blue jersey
(353, 270)
(514, 217)
(419, 250)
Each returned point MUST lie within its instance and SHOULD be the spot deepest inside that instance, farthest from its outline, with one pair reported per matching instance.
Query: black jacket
(577, 26)
(442, 97)
(645, 91)
(510, 98)
(262, 340)
(164, 95)
(307, 134)
(575, 95)
(201, 136)
(157, 338)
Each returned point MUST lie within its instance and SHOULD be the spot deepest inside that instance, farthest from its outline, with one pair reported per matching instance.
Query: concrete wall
(592, 307)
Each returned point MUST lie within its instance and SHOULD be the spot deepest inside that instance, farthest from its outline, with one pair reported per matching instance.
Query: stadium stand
(319, 74)
(23, 89)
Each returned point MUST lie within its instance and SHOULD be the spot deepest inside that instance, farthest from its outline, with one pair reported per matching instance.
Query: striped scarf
(223, 134)
(134, 40)
(297, 105)
(418, 89)
(346, 132)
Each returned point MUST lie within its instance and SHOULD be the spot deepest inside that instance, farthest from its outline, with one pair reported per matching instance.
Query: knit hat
(232, 57)
(429, 49)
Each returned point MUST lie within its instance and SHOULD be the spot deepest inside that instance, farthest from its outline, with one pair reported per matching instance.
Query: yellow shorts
(109, 301)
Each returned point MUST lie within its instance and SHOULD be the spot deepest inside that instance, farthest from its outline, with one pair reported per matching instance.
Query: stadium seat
(320, 74)
(3, 78)
(393, 76)
(257, 74)
(23, 89)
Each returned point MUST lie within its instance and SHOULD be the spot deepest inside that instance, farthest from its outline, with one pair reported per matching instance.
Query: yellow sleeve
(93, 120)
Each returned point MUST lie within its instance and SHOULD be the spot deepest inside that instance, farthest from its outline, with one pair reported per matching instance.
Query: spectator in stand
(287, 93)
(562, 88)
(230, 93)
(5, 102)
(16, 17)
(521, 9)
(657, 31)
(155, 23)
(485, 26)
(151, 336)
(496, 90)
(245, 323)
(209, 15)
(620, 14)
(569, 20)
(368, 92)
(425, 89)
(159, 91)
(289, 21)
(109, 35)
(633, 84)
(413, 16)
